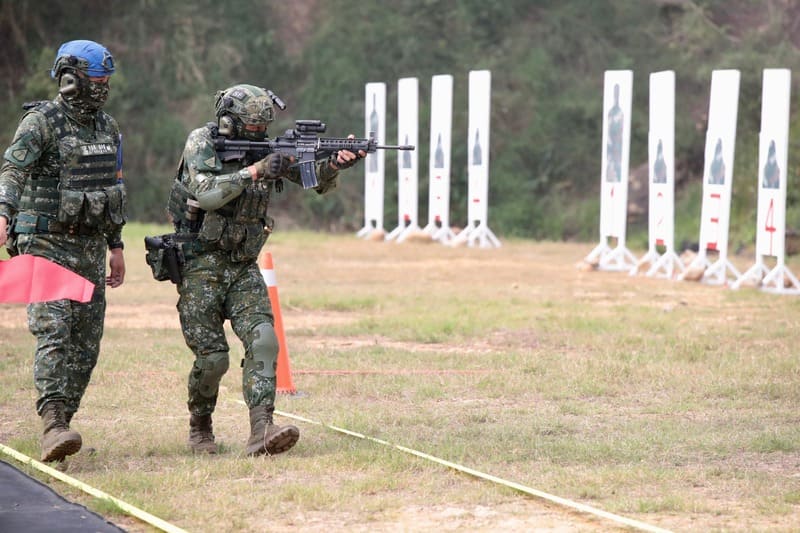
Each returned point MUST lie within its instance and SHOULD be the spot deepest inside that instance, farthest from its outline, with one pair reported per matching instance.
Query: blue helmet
(91, 58)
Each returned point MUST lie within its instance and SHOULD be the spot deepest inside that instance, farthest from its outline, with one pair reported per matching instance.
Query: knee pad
(263, 352)
(208, 372)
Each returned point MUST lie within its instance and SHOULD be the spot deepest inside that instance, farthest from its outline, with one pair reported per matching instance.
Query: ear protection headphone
(68, 84)
(227, 126)
(226, 123)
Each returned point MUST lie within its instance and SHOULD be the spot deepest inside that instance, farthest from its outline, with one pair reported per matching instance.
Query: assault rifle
(303, 143)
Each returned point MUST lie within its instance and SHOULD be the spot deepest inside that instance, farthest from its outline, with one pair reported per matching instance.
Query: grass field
(672, 403)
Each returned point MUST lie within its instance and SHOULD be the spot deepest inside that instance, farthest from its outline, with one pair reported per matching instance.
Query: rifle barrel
(396, 147)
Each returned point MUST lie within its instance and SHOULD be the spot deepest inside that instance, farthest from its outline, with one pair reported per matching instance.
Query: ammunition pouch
(101, 209)
(165, 256)
(243, 240)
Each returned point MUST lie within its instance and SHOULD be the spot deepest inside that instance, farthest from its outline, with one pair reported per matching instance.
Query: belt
(184, 237)
(27, 223)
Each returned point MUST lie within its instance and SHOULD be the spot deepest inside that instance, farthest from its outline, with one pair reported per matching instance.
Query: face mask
(95, 94)
(254, 132)
(91, 96)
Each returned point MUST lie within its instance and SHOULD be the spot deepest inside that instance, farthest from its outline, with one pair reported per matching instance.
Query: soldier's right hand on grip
(273, 166)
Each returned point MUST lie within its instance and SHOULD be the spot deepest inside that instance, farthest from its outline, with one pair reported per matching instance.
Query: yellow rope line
(165, 526)
(516, 486)
(128, 508)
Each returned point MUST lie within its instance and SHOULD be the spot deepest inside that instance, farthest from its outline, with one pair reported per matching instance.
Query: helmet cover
(248, 103)
(89, 57)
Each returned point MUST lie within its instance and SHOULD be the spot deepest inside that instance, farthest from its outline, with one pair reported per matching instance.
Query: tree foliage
(547, 59)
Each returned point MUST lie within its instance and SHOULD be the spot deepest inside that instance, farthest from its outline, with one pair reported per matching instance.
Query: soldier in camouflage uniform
(219, 207)
(62, 198)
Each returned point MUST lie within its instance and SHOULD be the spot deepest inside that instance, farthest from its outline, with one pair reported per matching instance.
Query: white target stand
(717, 183)
(477, 232)
(754, 275)
(667, 265)
(771, 183)
(617, 258)
(439, 232)
(407, 169)
(617, 92)
(375, 126)
(780, 280)
(661, 181)
(400, 234)
(478, 235)
(720, 272)
(438, 226)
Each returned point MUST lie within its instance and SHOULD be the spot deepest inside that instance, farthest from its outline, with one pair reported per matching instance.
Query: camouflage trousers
(67, 333)
(215, 289)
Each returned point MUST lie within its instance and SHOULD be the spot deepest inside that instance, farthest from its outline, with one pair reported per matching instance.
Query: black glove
(273, 166)
(347, 164)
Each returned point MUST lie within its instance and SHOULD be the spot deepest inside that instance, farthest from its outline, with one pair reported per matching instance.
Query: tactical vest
(240, 227)
(83, 195)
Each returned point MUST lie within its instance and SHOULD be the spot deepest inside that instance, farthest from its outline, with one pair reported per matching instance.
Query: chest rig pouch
(90, 194)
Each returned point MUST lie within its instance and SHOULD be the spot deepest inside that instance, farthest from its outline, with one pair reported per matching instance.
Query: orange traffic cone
(284, 373)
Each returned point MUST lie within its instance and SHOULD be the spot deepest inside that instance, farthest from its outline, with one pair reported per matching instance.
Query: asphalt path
(28, 505)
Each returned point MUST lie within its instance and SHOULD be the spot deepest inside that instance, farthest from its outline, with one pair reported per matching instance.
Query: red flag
(29, 279)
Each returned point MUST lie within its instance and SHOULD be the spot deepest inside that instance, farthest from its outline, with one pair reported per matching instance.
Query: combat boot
(201, 435)
(266, 437)
(58, 441)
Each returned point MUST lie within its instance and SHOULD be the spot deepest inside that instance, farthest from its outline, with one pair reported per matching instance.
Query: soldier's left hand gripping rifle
(304, 144)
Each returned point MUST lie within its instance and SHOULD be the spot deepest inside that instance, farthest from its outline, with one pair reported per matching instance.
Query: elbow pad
(226, 188)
